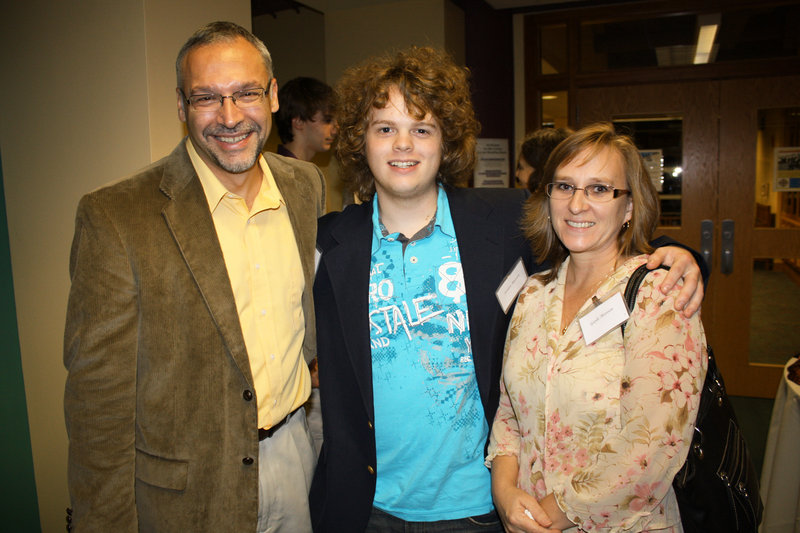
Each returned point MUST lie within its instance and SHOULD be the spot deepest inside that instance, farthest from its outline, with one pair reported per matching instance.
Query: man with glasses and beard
(190, 319)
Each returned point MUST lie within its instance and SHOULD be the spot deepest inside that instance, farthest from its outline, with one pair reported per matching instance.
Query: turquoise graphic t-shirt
(430, 428)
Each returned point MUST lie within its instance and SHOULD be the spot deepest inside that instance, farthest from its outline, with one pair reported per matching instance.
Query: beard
(239, 162)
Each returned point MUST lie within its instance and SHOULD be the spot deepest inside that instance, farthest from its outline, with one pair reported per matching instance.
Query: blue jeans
(381, 522)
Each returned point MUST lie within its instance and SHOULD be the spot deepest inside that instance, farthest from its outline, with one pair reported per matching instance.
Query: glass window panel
(656, 42)
(759, 33)
(554, 49)
(660, 141)
(740, 34)
(775, 306)
(778, 168)
(554, 109)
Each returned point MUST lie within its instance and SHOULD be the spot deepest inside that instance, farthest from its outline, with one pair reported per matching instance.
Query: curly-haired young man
(410, 332)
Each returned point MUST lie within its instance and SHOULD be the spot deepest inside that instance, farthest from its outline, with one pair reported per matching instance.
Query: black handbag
(717, 486)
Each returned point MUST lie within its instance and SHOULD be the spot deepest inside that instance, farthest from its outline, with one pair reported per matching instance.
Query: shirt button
(263, 312)
(247, 395)
(247, 461)
(414, 259)
(275, 403)
(272, 356)
(258, 266)
(369, 469)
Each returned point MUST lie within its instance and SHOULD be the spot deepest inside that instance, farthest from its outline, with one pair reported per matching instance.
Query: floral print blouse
(604, 427)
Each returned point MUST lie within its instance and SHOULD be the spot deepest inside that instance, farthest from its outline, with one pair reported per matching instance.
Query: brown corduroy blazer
(159, 402)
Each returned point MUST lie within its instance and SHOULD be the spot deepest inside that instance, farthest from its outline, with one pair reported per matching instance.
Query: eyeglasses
(558, 190)
(212, 102)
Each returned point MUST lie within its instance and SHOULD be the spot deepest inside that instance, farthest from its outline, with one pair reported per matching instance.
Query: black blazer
(490, 241)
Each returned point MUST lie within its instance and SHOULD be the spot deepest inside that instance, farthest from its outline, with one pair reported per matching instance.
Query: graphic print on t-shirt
(418, 314)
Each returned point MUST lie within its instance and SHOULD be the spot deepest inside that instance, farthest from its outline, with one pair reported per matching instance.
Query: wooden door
(745, 108)
(719, 138)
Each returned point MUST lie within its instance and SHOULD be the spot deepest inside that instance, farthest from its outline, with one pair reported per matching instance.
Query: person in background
(412, 335)
(533, 155)
(190, 318)
(307, 126)
(306, 120)
(593, 424)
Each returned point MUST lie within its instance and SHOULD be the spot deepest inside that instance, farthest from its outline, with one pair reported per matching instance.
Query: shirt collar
(269, 197)
(442, 218)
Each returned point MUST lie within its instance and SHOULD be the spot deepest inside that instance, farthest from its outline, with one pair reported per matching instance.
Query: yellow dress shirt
(266, 275)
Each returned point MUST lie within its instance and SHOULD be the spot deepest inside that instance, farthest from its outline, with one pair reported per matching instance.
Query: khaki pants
(286, 462)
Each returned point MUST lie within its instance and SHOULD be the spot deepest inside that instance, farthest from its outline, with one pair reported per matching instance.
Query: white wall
(296, 41)
(87, 97)
(352, 35)
(167, 25)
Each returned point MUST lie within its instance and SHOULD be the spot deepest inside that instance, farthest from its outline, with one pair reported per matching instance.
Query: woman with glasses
(593, 424)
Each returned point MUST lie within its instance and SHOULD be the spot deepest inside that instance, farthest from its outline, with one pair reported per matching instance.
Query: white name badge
(603, 318)
(511, 285)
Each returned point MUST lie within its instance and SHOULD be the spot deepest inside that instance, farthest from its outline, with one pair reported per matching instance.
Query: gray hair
(216, 32)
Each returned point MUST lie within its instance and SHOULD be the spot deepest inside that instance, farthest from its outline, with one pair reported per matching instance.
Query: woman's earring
(626, 225)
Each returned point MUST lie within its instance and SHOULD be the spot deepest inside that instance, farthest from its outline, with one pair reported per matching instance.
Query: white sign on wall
(491, 169)
(787, 168)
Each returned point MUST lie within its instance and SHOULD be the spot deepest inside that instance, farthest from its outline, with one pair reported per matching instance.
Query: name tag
(511, 285)
(603, 318)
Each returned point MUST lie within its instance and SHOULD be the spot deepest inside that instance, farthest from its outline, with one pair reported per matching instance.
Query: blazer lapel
(480, 244)
(296, 194)
(348, 264)
(189, 219)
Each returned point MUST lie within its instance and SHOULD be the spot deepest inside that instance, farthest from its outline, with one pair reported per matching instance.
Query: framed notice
(491, 168)
(787, 168)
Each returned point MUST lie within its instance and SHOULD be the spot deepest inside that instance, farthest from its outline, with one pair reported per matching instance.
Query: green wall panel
(20, 509)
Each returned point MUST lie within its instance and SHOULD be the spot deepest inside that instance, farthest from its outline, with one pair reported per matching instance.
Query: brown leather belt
(267, 433)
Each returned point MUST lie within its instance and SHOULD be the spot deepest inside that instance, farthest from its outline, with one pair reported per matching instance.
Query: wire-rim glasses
(596, 192)
(245, 98)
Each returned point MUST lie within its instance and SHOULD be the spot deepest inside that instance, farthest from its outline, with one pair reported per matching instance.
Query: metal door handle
(707, 240)
(726, 266)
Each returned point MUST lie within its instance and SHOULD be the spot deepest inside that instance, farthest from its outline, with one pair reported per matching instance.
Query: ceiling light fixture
(709, 24)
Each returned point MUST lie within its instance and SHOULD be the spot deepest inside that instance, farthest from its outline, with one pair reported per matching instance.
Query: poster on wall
(787, 168)
(491, 168)
(654, 161)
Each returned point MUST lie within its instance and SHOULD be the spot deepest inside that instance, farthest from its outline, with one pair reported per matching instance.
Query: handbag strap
(632, 288)
(713, 386)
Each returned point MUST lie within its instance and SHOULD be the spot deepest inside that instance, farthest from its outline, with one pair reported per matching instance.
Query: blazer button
(247, 395)
(370, 469)
(247, 461)
(369, 423)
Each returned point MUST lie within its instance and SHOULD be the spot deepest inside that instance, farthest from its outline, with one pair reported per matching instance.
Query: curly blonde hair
(633, 238)
(430, 82)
